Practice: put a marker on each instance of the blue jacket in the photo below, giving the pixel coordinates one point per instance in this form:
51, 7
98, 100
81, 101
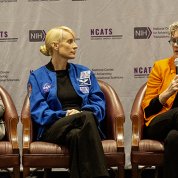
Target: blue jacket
45, 106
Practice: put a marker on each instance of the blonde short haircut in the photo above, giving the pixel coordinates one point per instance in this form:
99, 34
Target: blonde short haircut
52, 36
172, 28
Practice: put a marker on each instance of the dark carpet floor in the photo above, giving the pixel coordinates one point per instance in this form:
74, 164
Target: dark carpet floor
150, 173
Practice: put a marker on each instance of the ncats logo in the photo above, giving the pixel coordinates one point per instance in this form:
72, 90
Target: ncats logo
3, 34
142, 71
101, 32
104, 34
5, 37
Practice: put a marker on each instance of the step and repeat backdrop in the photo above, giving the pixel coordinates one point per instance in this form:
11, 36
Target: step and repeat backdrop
118, 39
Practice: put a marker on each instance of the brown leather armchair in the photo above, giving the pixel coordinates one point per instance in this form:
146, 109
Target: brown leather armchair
9, 149
144, 152
38, 154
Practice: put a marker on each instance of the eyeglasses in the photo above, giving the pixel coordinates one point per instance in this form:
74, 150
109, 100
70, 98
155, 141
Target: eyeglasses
173, 41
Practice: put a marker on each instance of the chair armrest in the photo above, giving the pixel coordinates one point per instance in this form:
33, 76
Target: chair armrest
137, 118
115, 117
11, 119
120, 133
116, 113
26, 134
13, 135
27, 127
136, 131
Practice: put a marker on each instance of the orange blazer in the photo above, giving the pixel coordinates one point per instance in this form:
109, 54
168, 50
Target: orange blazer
161, 75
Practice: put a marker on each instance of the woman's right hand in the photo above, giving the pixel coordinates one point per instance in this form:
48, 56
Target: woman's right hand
172, 88
72, 111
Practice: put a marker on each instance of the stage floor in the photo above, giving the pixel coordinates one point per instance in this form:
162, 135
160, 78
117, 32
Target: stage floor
150, 173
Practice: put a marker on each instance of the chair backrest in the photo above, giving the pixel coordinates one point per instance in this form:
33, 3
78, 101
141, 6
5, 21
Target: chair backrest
114, 111
10, 111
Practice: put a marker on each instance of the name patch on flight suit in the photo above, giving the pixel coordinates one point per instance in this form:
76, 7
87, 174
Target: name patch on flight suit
84, 89
84, 81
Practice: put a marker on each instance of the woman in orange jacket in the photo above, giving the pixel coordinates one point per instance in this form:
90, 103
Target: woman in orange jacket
160, 105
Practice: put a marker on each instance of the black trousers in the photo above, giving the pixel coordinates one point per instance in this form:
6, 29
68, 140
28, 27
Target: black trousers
80, 134
164, 127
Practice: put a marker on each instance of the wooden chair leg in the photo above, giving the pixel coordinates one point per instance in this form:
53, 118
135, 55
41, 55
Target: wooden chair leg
26, 172
159, 172
47, 172
121, 171
134, 171
16, 172
112, 173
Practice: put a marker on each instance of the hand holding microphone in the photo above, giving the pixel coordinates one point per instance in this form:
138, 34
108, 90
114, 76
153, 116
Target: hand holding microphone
176, 64
172, 88
174, 83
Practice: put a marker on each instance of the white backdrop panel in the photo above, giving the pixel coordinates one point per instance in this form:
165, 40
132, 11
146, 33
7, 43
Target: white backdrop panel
106, 36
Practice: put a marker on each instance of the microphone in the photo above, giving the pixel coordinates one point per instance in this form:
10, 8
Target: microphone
176, 64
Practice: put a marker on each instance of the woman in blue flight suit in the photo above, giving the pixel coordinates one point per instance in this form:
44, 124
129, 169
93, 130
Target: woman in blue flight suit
67, 104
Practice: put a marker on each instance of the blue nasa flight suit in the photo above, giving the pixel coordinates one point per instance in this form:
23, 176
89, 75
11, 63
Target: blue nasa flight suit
78, 131
44, 104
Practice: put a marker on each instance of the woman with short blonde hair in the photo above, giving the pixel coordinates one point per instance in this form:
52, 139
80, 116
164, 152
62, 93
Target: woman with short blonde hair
67, 105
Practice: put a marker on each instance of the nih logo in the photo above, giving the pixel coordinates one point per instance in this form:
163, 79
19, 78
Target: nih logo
142, 33
37, 35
